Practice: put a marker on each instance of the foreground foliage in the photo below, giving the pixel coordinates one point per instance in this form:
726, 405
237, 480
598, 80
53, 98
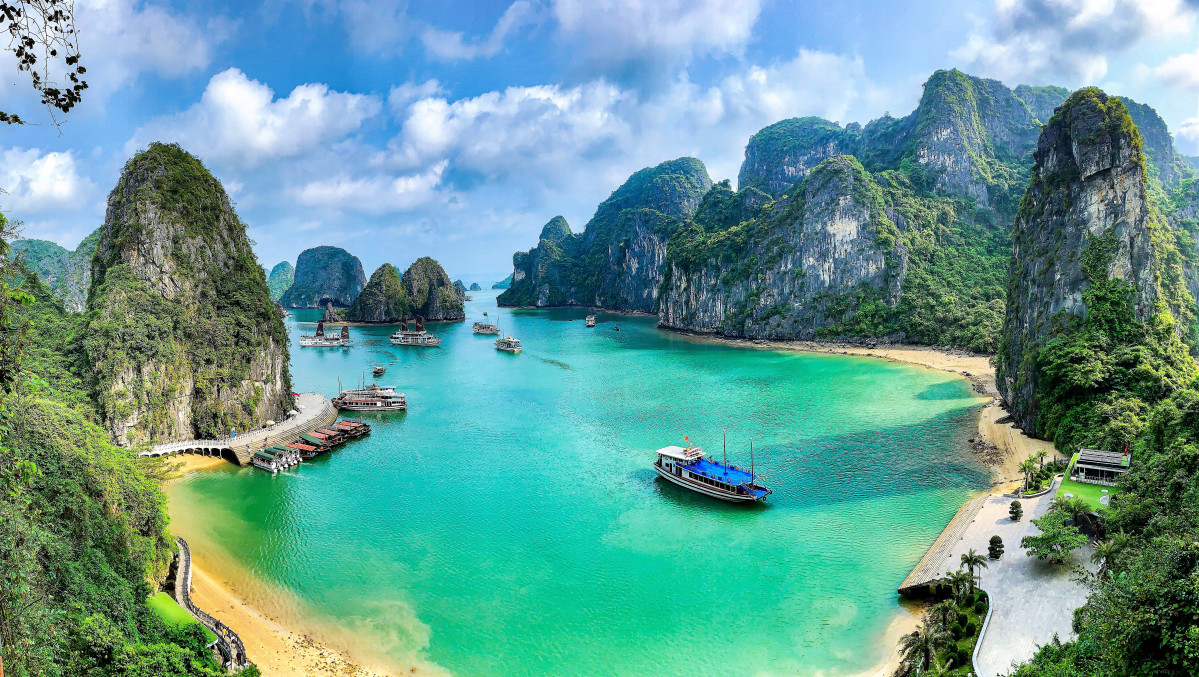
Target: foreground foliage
83, 524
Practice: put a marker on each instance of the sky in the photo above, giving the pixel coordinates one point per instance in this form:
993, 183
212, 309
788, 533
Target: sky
457, 129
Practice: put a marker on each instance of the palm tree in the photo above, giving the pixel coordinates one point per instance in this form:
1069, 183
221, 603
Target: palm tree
961, 583
1029, 468
943, 614
970, 560
1104, 550
920, 647
1041, 457
1075, 508
939, 669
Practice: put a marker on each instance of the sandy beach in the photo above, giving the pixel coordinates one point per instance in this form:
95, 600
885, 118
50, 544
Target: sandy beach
999, 446
277, 650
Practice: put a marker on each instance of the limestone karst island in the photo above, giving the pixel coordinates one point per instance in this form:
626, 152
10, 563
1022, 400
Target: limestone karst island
544, 337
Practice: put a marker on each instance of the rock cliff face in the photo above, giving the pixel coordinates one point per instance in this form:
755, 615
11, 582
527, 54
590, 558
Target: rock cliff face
504, 283
782, 154
964, 133
325, 275
68, 274
1084, 219
184, 340
474, 286
431, 293
280, 280
619, 258
829, 241
383, 299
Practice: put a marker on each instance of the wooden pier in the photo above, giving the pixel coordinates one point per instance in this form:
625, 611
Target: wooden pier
928, 572
316, 412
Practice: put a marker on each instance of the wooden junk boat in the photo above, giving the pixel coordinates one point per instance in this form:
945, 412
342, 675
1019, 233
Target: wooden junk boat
370, 398
353, 428
486, 328
308, 445
274, 459
508, 344
322, 340
414, 337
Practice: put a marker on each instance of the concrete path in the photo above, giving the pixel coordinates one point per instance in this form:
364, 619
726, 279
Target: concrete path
315, 411
1031, 599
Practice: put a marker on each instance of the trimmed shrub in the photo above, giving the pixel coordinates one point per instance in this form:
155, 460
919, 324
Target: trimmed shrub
1016, 511
956, 631
971, 628
963, 619
963, 657
980, 607
995, 548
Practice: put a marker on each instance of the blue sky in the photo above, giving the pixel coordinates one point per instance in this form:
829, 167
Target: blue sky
457, 129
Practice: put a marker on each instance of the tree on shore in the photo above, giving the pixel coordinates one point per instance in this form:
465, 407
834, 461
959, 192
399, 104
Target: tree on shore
972, 560
995, 548
1056, 540
43, 38
1029, 468
1016, 511
918, 648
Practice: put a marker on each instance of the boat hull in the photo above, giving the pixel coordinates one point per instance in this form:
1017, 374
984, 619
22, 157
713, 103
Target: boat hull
700, 488
341, 406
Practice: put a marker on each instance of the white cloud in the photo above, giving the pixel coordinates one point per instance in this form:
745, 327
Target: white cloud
1181, 71
380, 27
238, 121
377, 194
1067, 41
39, 182
452, 46
1189, 129
617, 28
498, 132
119, 39
401, 95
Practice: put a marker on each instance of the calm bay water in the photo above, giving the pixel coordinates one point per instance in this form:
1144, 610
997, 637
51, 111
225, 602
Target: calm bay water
510, 522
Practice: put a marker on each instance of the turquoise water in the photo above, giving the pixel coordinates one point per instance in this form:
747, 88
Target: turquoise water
510, 521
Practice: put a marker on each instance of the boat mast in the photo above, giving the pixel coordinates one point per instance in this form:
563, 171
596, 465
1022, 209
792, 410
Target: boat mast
726, 450
751, 459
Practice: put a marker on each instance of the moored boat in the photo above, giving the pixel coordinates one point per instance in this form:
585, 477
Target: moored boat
591, 320
379, 370
687, 467
486, 328
322, 340
414, 337
508, 344
371, 398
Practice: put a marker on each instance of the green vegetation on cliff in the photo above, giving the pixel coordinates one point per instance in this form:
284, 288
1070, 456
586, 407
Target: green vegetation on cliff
194, 336
83, 526
589, 268
383, 299
67, 273
280, 280
431, 293
1119, 376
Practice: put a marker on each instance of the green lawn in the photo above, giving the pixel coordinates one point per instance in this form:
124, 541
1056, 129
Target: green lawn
1087, 492
170, 611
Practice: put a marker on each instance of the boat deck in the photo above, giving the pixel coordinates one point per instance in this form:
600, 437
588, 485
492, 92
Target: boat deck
729, 475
